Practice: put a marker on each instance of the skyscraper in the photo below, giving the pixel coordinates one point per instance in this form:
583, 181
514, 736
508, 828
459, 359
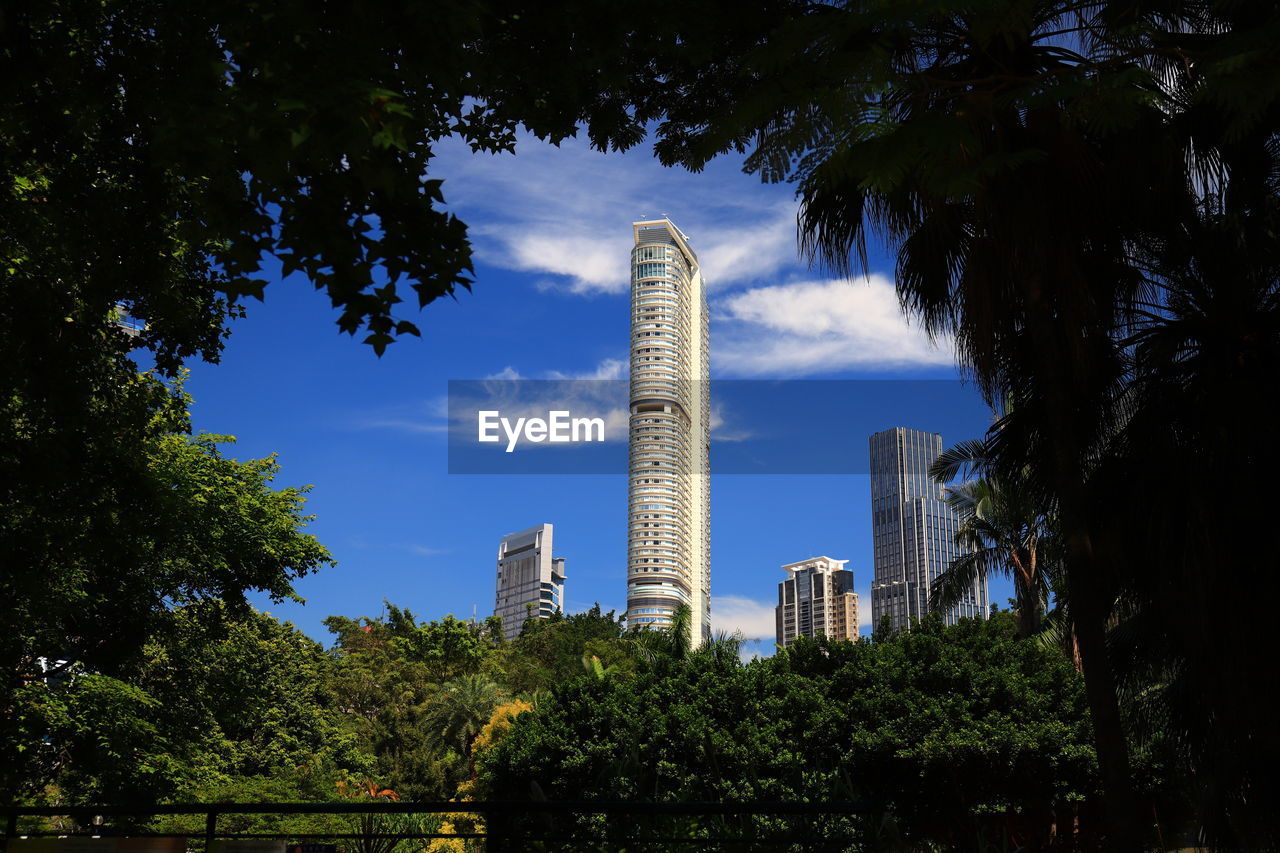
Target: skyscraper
668, 497
817, 599
913, 530
530, 579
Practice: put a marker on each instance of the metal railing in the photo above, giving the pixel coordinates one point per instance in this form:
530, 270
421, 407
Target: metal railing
502, 825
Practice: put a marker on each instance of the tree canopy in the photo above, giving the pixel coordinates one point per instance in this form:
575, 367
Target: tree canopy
955, 734
156, 519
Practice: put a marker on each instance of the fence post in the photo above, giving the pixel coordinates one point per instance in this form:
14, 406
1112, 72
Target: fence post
210, 829
10, 829
497, 832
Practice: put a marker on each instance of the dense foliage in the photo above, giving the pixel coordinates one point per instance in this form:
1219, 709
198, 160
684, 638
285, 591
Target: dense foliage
947, 735
951, 734
109, 584
215, 702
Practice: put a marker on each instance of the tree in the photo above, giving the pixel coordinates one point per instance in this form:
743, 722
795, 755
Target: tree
1002, 530
167, 160
461, 708
956, 733
549, 651
160, 518
1023, 160
218, 703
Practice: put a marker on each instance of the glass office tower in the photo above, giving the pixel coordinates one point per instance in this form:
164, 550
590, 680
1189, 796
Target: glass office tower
913, 530
668, 494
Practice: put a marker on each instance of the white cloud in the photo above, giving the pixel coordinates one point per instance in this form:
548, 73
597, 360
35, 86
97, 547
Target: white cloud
808, 327
737, 613
609, 368
427, 551
722, 430
730, 256
563, 212
592, 261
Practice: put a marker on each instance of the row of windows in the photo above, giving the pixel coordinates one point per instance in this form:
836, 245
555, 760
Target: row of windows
652, 253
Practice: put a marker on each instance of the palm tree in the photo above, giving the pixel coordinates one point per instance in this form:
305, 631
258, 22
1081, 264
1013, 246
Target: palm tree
1020, 158
1002, 531
965, 137
461, 707
672, 643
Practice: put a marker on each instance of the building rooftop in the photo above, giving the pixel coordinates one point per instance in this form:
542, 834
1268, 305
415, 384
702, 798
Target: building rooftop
812, 562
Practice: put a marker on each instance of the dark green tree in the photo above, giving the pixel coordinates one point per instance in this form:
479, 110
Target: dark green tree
393, 679
460, 708
1003, 530
549, 651
1036, 169
957, 734
93, 571
218, 703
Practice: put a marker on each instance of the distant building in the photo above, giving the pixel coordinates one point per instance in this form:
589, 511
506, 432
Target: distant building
817, 598
913, 531
127, 323
530, 579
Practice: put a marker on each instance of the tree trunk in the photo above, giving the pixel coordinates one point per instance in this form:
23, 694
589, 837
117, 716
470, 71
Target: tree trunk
1028, 591
1091, 605
1090, 602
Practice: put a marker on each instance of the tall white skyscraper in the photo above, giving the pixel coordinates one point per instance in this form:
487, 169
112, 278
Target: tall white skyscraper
913, 531
668, 495
530, 579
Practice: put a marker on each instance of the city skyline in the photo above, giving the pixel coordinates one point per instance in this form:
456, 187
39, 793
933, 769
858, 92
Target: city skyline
550, 302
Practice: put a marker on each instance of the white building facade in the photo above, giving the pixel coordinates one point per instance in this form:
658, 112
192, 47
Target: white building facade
668, 494
816, 600
530, 579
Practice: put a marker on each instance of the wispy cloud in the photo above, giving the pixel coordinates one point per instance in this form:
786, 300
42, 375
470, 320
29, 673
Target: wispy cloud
609, 368
429, 417
426, 551
432, 417
737, 613
723, 430
808, 327
562, 213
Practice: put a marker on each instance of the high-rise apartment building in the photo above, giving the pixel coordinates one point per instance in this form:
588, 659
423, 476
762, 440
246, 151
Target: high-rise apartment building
530, 579
668, 497
817, 599
913, 530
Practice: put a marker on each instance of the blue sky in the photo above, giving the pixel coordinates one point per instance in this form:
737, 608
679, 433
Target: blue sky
551, 231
